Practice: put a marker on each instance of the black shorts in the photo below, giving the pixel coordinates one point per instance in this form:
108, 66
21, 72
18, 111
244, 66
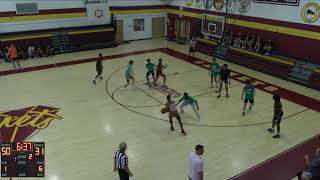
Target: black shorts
99, 71
249, 100
123, 175
224, 81
191, 49
277, 119
148, 73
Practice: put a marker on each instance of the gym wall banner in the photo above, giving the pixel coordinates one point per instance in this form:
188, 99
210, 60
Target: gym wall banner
281, 2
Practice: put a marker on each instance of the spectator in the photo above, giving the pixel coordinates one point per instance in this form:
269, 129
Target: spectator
6, 54
31, 52
38, 51
267, 48
237, 41
21, 54
313, 168
244, 42
14, 57
225, 39
49, 51
231, 39
251, 42
257, 45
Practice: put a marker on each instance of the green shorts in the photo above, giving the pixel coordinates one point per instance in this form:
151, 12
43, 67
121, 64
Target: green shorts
214, 74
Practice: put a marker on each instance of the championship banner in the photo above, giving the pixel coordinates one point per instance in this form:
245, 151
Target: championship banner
280, 2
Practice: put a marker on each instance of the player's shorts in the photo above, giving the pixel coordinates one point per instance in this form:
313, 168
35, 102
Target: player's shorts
14, 59
249, 100
214, 74
224, 81
191, 49
99, 71
278, 119
128, 77
174, 114
159, 73
148, 73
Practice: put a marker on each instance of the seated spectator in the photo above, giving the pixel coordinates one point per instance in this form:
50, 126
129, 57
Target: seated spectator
225, 39
31, 52
313, 168
267, 48
49, 51
237, 41
257, 45
251, 42
21, 54
231, 39
6, 54
244, 42
38, 51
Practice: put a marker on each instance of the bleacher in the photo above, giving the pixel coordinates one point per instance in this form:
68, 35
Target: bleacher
284, 68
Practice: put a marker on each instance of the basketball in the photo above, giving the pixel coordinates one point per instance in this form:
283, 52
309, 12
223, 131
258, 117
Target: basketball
164, 110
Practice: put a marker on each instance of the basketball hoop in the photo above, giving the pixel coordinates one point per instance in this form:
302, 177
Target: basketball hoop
99, 13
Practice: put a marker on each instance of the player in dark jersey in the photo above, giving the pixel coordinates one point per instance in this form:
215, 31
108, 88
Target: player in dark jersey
277, 116
159, 71
150, 66
224, 77
249, 93
99, 68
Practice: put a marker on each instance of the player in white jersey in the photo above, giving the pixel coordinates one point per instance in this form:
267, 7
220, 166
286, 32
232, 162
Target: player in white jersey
129, 74
173, 112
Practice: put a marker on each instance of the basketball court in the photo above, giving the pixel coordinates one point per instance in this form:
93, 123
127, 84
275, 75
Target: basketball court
86, 122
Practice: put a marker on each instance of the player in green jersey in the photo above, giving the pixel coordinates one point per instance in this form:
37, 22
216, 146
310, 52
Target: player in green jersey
150, 67
214, 71
189, 100
249, 92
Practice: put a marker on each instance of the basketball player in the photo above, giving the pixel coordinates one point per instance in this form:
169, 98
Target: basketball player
159, 71
224, 77
173, 113
278, 113
189, 100
129, 74
250, 94
99, 68
150, 66
214, 71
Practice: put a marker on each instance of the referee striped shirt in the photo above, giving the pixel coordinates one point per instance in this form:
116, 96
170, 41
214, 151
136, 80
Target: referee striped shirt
121, 159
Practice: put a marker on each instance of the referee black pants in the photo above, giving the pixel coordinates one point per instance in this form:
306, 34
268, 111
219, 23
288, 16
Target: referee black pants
123, 174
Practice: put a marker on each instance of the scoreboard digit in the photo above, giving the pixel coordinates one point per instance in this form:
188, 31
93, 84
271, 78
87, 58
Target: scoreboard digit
23, 159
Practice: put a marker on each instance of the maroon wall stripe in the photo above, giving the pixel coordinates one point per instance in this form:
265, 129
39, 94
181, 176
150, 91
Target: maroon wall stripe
45, 11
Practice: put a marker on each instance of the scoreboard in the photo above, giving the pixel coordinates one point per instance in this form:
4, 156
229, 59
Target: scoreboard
22, 159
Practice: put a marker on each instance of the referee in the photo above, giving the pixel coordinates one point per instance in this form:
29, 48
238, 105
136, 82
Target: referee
121, 162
